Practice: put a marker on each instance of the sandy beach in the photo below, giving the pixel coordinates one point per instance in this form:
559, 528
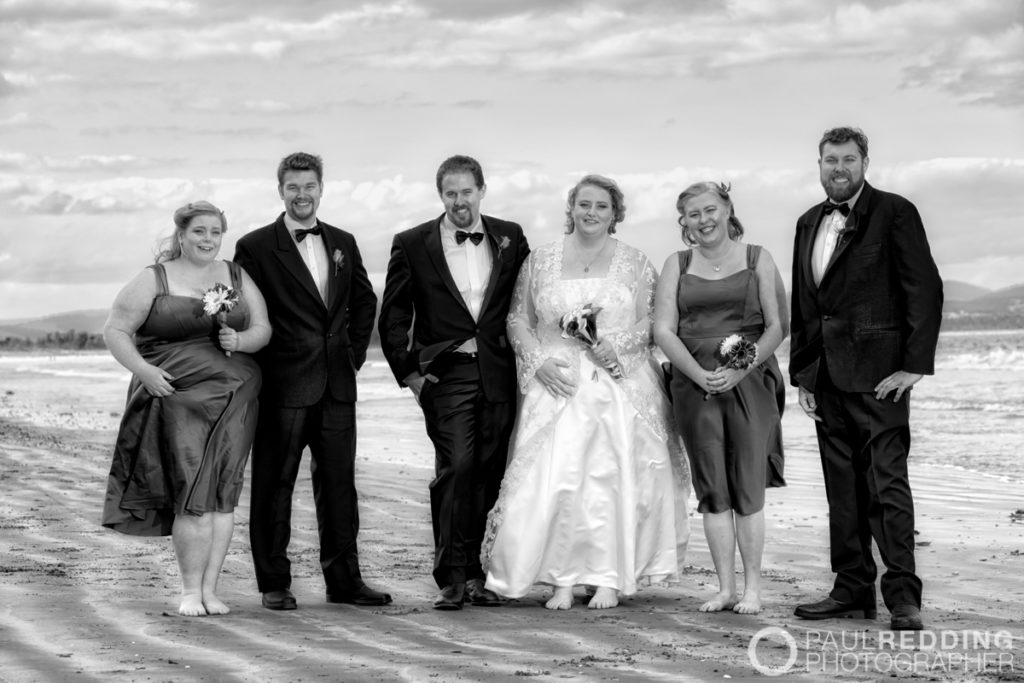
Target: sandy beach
82, 603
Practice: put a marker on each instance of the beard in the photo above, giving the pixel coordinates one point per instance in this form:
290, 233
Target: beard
841, 193
463, 220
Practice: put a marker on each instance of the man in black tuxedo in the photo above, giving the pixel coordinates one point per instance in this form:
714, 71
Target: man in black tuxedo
442, 327
321, 307
867, 306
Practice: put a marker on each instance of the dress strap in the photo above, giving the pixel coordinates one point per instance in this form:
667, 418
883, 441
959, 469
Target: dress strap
161, 279
753, 254
236, 275
685, 256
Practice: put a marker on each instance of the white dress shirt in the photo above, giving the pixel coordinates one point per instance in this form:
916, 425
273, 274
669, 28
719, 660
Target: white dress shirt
470, 266
832, 226
313, 253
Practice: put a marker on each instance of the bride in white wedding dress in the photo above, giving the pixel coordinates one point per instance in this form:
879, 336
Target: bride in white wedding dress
595, 490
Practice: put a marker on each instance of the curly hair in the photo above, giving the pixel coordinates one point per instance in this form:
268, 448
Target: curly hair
604, 183
721, 190
842, 135
170, 246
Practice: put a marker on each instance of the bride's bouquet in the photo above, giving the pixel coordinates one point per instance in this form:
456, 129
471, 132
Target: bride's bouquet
218, 302
581, 323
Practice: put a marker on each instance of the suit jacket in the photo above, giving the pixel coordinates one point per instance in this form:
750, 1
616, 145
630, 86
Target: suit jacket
878, 307
423, 315
315, 347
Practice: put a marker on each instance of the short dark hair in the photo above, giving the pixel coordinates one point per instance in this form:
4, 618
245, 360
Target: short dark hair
842, 135
721, 190
461, 163
301, 161
606, 184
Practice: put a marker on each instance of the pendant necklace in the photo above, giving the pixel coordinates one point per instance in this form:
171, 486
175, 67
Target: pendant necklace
586, 266
718, 267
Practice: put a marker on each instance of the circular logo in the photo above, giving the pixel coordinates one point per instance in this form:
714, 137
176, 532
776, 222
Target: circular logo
772, 669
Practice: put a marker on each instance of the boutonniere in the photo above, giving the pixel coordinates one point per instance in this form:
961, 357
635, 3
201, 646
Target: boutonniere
339, 261
502, 244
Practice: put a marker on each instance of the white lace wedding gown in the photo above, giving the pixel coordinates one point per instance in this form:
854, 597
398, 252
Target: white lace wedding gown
596, 487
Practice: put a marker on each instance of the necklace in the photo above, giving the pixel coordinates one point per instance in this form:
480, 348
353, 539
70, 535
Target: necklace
587, 266
717, 267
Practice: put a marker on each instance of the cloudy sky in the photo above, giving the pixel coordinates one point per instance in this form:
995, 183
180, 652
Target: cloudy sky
115, 112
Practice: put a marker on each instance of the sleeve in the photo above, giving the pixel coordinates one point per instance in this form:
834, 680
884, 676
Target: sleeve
920, 289
362, 308
522, 325
244, 258
396, 314
633, 344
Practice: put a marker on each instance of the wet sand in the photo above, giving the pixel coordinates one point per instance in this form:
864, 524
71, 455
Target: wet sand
82, 603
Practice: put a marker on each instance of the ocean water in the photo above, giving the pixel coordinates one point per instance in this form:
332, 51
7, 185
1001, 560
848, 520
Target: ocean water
968, 416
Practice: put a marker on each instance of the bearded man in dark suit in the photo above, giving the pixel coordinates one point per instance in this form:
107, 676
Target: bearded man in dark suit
866, 311
321, 307
442, 327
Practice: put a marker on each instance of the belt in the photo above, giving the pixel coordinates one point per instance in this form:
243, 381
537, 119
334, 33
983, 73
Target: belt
463, 356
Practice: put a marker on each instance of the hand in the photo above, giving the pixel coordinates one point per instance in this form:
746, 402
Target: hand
604, 353
809, 405
228, 339
416, 382
723, 379
156, 381
552, 378
900, 381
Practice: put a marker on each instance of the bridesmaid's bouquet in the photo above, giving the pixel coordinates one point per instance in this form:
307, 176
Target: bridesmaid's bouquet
581, 323
218, 302
738, 354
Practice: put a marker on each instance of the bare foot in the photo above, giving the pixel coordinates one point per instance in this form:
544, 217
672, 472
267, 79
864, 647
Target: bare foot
749, 604
718, 603
604, 598
191, 605
562, 599
214, 605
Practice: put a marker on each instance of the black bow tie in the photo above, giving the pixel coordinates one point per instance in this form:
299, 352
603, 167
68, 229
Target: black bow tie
301, 233
843, 208
461, 236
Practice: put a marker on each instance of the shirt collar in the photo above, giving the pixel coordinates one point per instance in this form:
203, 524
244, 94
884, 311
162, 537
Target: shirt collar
294, 225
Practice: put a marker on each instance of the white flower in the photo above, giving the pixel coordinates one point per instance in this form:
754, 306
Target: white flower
729, 343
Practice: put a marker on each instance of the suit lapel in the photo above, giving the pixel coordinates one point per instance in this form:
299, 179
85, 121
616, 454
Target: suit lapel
807, 246
498, 242
293, 264
435, 251
853, 221
333, 280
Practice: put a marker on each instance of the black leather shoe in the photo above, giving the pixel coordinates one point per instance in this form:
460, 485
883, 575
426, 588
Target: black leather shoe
279, 600
451, 597
830, 608
906, 618
364, 597
477, 595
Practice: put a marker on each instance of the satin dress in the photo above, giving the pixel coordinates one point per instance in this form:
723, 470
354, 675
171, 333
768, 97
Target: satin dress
185, 453
733, 439
596, 486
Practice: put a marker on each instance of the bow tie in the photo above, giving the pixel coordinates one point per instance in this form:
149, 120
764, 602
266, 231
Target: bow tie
301, 233
843, 208
461, 236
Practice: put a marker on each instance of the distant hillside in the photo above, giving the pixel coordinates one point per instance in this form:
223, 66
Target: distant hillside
966, 307
962, 291
90, 321
1001, 309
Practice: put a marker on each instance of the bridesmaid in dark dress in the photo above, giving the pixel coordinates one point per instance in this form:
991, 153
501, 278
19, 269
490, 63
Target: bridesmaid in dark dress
181, 450
729, 418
